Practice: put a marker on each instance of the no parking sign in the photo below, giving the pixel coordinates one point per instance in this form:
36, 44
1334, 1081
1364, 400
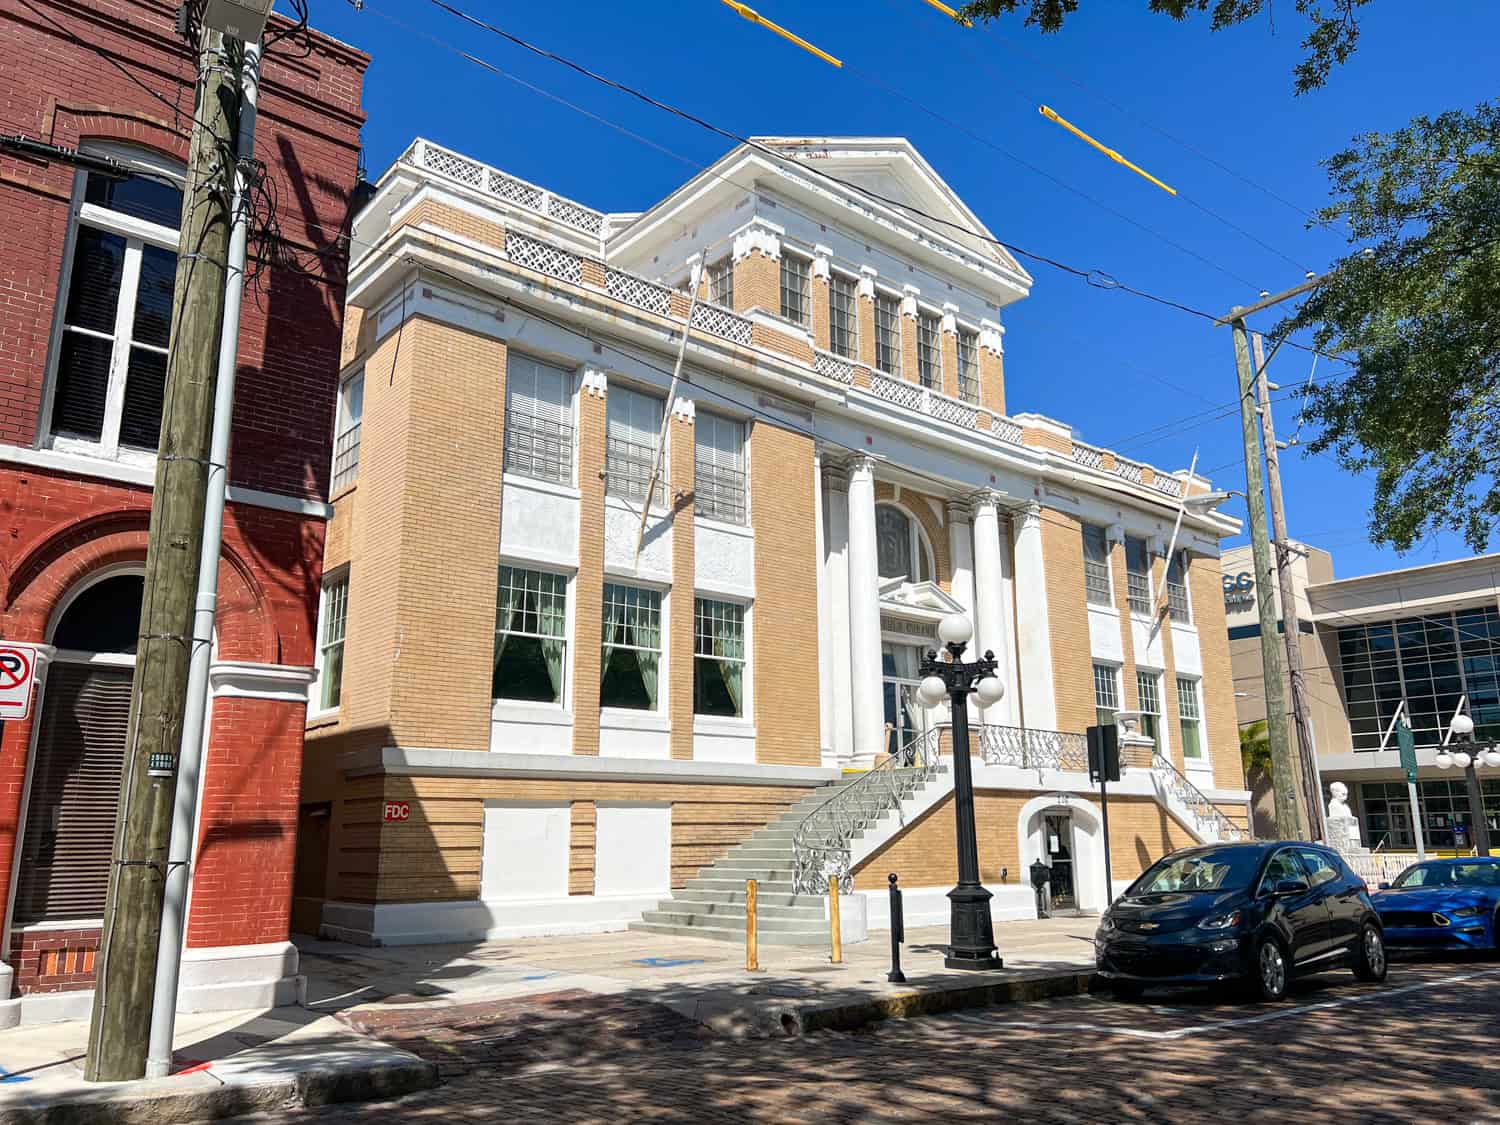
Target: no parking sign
17, 674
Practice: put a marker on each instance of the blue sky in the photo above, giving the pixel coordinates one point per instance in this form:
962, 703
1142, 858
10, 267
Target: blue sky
1128, 374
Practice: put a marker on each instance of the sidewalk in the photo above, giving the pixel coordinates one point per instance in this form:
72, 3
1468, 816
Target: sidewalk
241, 1062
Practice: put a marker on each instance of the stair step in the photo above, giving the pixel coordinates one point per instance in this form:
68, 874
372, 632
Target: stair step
691, 894
715, 933
730, 921
810, 910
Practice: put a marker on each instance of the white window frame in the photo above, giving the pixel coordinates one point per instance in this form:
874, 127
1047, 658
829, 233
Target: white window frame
1183, 616
1153, 677
315, 706
835, 280
569, 412
137, 234
663, 627
747, 697
1113, 672
721, 282
930, 345
566, 686
701, 468
894, 302
1134, 600
1196, 683
790, 261
969, 384
617, 394
1109, 586
920, 547
343, 424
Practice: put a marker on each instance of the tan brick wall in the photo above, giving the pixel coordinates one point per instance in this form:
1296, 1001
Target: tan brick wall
950, 364
757, 283
1171, 713
340, 530
681, 455
1046, 439
588, 587
866, 342
917, 504
992, 380
1067, 620
909, 348
820, 315
583, 832
1140, 833
773, 341
593, 274
785, 641
431, 213
1207, 593
1129, 693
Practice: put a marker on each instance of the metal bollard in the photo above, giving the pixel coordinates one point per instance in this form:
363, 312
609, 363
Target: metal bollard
898, 933
835, 931
752, 950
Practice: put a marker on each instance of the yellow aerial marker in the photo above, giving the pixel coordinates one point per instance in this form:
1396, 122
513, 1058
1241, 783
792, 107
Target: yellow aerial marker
755, 17
947, 11
1051, 115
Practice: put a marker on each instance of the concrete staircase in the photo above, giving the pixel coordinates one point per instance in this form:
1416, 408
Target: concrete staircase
712, 904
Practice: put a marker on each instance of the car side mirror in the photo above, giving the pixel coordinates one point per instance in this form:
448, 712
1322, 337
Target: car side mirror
1384, 887
1291, 886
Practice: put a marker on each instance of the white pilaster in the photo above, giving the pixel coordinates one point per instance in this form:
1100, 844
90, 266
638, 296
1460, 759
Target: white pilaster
836, 567
990, 628
864, 615
825, 621
1038, 695
961, 553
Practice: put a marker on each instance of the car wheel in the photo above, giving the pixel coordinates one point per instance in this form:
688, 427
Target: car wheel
1127, 989
1369, 958
1271, 973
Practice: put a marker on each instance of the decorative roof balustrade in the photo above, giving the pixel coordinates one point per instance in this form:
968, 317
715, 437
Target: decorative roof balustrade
502, 185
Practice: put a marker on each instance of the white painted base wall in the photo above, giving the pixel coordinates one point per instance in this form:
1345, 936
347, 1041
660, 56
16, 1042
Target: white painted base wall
428, 923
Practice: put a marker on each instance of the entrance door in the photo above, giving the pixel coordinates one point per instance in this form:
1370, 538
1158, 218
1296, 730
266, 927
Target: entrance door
905, 717
1057, 845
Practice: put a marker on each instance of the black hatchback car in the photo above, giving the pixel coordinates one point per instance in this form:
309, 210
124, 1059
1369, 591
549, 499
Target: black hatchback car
1255, 914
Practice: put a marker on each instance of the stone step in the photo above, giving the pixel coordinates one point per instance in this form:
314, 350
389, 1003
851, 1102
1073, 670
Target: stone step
764, 925
729, 883
807, 910
737, 936
691, 894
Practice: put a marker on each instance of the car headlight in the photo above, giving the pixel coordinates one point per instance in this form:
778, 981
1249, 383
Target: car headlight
1466, 911
1221, 921
1106, 925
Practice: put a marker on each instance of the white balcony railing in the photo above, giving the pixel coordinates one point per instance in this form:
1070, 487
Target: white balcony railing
502, 185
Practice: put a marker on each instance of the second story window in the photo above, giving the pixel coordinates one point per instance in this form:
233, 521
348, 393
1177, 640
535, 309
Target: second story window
930, 350
1106, 693
351, 414
1192, 717
1177, 591
1138, 574
110, 367
632, 427
539, 420
888, 333
719, 468
843, 315
721, 282
796, 288
901, 549
1096, 566
1148, 688
330, 683
968, 365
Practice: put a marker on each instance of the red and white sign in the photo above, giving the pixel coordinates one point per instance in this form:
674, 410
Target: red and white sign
397, 810
17, 675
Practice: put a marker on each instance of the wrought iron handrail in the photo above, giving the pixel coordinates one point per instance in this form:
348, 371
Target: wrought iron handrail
824, 842
1194, 798
1033, 749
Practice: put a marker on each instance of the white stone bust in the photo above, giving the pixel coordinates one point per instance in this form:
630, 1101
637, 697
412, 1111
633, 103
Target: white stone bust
1343, 828
1338, 802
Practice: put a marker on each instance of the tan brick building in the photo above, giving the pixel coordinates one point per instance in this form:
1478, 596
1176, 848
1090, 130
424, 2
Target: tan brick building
551, 694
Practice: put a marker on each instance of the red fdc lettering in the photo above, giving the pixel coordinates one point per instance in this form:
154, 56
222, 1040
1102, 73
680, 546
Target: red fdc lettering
397, 810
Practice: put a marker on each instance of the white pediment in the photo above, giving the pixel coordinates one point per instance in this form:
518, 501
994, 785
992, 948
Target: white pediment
919, 601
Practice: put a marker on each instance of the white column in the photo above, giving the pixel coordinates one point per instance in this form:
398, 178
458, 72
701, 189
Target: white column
825, 621
989, 591
961, 553
1038, 696
1008, 612
836, 532
867, 712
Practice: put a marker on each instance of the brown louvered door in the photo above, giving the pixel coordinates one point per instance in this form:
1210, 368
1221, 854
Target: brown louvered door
75, 790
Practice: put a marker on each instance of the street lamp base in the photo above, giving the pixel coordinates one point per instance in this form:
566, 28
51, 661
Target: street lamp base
971, 960
971, 931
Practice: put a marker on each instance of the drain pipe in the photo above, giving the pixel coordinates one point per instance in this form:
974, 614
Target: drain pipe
190, 770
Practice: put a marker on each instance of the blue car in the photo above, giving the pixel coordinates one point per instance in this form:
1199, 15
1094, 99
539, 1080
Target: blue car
1442, 904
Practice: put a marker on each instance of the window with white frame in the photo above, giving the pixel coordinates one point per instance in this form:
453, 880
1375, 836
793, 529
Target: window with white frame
796, 287
888, 333
632, 428
1148, 689
968, 365
1177, 591
843, 315
930, 350
901, 549
531, 627
719, 468
721, 282
1096, 585
539, 420
1138, 574
110, 368
632, 647
331, 642
1191, 716
1106, 693
351, 413
718, 658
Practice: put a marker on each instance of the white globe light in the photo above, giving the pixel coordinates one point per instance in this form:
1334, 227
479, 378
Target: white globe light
955, 629
1461, 760
1462, 726
1491, 757
990, 691
1444, 760
932, 691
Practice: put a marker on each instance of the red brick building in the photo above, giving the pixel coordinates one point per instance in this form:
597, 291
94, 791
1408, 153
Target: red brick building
86, 274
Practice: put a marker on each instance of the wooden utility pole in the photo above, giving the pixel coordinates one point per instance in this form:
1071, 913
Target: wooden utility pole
126, 965
1291, 622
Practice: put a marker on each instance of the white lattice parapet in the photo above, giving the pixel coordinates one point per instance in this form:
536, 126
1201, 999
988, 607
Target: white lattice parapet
951, 410
444, 162
1088, 456
835, 367
544, 257
1132, 471
639, 292
721, 322
898, 391
1006, 430
1170, 486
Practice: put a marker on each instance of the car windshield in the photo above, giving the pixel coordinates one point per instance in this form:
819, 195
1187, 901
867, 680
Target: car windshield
1226, 869
1450, 875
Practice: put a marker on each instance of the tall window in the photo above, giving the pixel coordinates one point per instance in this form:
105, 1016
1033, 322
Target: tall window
968, 365
1192, 717
531, 626
930, 350
1106, 693
796, 288
1177, 591
1096, 566
351, 414
1138, 574
843, 315
719, 468
718, 658
1148, 688
721, 282
632, 427
900, 547
539, 420
632, 647
888, 333
331, 642
111, 363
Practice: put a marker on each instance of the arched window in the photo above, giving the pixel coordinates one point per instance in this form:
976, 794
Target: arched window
901, 547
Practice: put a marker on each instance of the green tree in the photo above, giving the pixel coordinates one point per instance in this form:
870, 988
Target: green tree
1331, 39
1418, 308
1255, 747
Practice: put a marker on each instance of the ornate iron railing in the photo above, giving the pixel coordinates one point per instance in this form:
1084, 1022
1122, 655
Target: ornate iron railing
1033, 749
824, 841
1195, 799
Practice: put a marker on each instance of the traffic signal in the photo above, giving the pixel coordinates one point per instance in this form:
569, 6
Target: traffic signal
1104, 752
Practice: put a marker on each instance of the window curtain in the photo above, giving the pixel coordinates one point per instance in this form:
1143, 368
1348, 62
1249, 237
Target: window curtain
508, 604
648, 655
730, 649
553, 628
614, 633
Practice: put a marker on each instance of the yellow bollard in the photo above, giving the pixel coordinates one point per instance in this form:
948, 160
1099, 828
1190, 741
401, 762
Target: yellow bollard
835, 932
752, 961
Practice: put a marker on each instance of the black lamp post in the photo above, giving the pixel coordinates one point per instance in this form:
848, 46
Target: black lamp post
1467, 756
971, 932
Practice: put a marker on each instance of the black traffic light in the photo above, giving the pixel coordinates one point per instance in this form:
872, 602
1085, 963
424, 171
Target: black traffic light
1104, 752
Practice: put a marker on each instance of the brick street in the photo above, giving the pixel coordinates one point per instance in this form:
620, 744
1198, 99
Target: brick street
1416, 1048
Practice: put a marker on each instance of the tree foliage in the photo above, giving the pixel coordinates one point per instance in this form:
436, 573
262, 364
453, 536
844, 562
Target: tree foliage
1255, 746
1331, 39
1421, 317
